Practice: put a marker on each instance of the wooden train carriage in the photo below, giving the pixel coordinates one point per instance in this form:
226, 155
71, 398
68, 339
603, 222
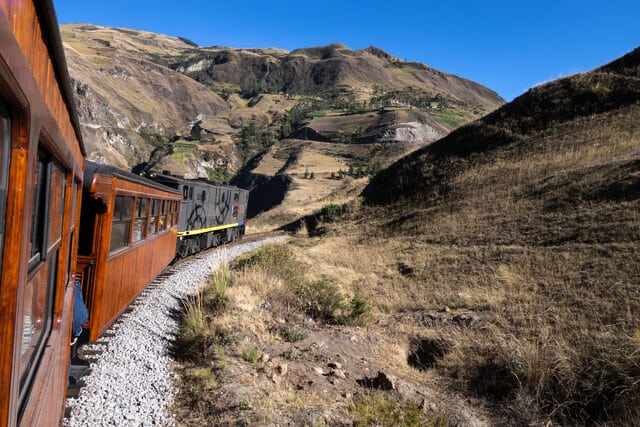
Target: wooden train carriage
41, 164
210, 214
128, 232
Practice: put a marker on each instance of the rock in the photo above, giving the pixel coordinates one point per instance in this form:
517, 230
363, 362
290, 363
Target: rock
334, 365
282, 369
338, 373
464, 319
318, 371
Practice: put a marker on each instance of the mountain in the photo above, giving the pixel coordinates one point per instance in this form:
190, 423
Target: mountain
526, 220
569, 145
149, 101
125, 101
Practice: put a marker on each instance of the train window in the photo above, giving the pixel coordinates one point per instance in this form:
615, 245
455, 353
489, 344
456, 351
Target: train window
5, 140
163, 215
37, 216
46, 239
190, 193
173, 214
56, 204
72, 222
235, 212
167, 214
153, 217
120, 223
236, 197
140, 221
204, 195
185, 192
37, 314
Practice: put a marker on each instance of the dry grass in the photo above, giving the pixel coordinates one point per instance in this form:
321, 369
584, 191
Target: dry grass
555, 329
535, 243
505, 270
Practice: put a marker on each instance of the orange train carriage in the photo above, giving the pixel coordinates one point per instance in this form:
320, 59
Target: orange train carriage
41, 172
128, 233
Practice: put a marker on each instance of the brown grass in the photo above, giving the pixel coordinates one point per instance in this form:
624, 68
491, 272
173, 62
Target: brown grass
535, 241
503, 266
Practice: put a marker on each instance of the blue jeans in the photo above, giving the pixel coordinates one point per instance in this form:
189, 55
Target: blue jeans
80, 312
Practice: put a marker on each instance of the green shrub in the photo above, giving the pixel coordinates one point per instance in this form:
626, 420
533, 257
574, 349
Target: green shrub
381, 411
250, 354
320, 299
293, 334
330, 212
275, 260
359, 307
214, 294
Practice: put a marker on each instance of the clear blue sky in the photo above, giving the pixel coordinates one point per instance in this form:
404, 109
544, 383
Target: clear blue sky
506, 45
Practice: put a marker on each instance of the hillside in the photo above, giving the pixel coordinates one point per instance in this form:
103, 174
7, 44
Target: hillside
527, 222
128, 104
149, 101
490, 278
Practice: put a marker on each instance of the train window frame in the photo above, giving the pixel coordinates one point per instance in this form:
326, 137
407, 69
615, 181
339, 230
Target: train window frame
152, 225
55, 239
140, 219
121, 220
72, 224
5, 157
162, 215
176, 212
38, 221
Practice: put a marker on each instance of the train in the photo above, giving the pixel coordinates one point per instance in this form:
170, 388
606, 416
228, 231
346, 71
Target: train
132, 227
66, 221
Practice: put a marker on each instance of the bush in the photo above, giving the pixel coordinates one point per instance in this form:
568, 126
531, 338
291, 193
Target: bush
214, 294
381, 411
293, 334
330, 212
359, 307
275, 260
320, 299
250, 354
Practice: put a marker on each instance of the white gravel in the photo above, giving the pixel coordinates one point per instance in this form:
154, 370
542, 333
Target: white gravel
130, 382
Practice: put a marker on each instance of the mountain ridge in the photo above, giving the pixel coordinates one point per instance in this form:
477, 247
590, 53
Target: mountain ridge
138, 91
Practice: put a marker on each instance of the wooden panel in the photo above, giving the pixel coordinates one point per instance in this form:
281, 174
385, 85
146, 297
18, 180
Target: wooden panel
120, 277
45, 406
126, 275
28, 33
38, 107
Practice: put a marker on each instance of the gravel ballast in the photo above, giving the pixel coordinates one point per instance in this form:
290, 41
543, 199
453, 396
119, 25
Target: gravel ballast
130, 381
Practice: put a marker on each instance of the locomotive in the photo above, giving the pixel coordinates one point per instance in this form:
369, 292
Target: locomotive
210, 214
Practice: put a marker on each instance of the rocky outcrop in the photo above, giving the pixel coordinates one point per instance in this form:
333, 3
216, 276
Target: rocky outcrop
412, 132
